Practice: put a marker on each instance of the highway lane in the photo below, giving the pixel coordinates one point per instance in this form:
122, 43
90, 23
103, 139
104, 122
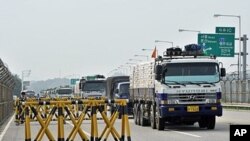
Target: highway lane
138, 133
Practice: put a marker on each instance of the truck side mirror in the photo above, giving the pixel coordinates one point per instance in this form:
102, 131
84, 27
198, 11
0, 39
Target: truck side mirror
158, 72
222, 72
116, 91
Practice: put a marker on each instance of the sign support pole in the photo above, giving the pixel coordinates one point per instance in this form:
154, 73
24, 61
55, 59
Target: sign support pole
244, 39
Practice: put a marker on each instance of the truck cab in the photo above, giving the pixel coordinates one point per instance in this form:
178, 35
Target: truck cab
93, 86
64, 93
118, 88
122, 90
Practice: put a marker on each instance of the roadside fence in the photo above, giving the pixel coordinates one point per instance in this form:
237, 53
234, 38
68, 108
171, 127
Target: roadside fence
236, 91
6, 87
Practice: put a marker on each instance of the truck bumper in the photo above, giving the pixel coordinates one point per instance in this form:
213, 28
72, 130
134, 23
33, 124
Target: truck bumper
182, 110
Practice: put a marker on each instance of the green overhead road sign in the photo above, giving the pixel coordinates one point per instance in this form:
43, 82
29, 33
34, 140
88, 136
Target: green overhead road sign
225, 30
220, 45
73, 81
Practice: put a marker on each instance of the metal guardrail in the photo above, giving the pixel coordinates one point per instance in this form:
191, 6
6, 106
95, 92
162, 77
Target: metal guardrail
6, 86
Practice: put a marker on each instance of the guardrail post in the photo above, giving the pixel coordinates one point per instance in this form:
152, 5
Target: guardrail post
60, 122
125, 122
17, 111
27, 124
94, 129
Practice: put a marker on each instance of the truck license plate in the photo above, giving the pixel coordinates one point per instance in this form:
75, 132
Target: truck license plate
192, 108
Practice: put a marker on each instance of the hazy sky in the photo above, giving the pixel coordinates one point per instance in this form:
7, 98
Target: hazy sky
65, 38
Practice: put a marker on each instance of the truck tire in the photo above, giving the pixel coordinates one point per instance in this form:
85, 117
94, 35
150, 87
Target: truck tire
135, 114
112, 110
120, 116
160, 122
152, 116
143, 121
211, 122
202, 123
207, 122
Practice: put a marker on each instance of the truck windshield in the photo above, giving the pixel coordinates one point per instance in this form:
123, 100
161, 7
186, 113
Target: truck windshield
124, 88
97, 86
64, 91
191, 72
30, 93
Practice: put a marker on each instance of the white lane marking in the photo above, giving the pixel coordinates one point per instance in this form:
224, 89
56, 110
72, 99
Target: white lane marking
179, 132
6, 127
88, 134
184, 133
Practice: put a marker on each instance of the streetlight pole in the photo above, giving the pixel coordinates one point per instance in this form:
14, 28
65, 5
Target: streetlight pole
239, 56
130, 66
146, 49
135, 60
172, 43
128, 63
187, 30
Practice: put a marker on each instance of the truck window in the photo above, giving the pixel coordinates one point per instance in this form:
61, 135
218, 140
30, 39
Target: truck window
64, 91
185, 69
97, 86
191, 72
124, 88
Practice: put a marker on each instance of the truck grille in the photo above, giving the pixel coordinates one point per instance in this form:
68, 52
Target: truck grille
196, 98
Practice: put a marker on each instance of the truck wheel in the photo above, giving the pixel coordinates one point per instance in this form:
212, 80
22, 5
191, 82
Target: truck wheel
120, 116
135, 114
160, 122
211, 122
152, 116
142, 119
202, 122
112, 109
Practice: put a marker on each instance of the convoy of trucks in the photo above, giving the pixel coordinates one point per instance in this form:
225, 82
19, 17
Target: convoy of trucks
179, 88
182, 87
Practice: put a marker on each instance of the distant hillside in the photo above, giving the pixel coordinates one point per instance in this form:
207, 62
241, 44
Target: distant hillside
37, 86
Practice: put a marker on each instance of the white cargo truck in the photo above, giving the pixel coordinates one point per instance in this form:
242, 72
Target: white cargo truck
93, 86
180, 88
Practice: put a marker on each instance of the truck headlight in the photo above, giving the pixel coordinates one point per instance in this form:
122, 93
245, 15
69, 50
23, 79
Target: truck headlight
173, 101
170, 101
210, 100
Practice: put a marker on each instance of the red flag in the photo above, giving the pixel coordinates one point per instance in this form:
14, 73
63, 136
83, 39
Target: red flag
154, 53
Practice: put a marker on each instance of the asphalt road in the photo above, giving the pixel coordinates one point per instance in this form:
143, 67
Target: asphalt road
138, 133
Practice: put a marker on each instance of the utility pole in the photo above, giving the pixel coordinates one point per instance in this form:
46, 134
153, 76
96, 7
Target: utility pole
244, 62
